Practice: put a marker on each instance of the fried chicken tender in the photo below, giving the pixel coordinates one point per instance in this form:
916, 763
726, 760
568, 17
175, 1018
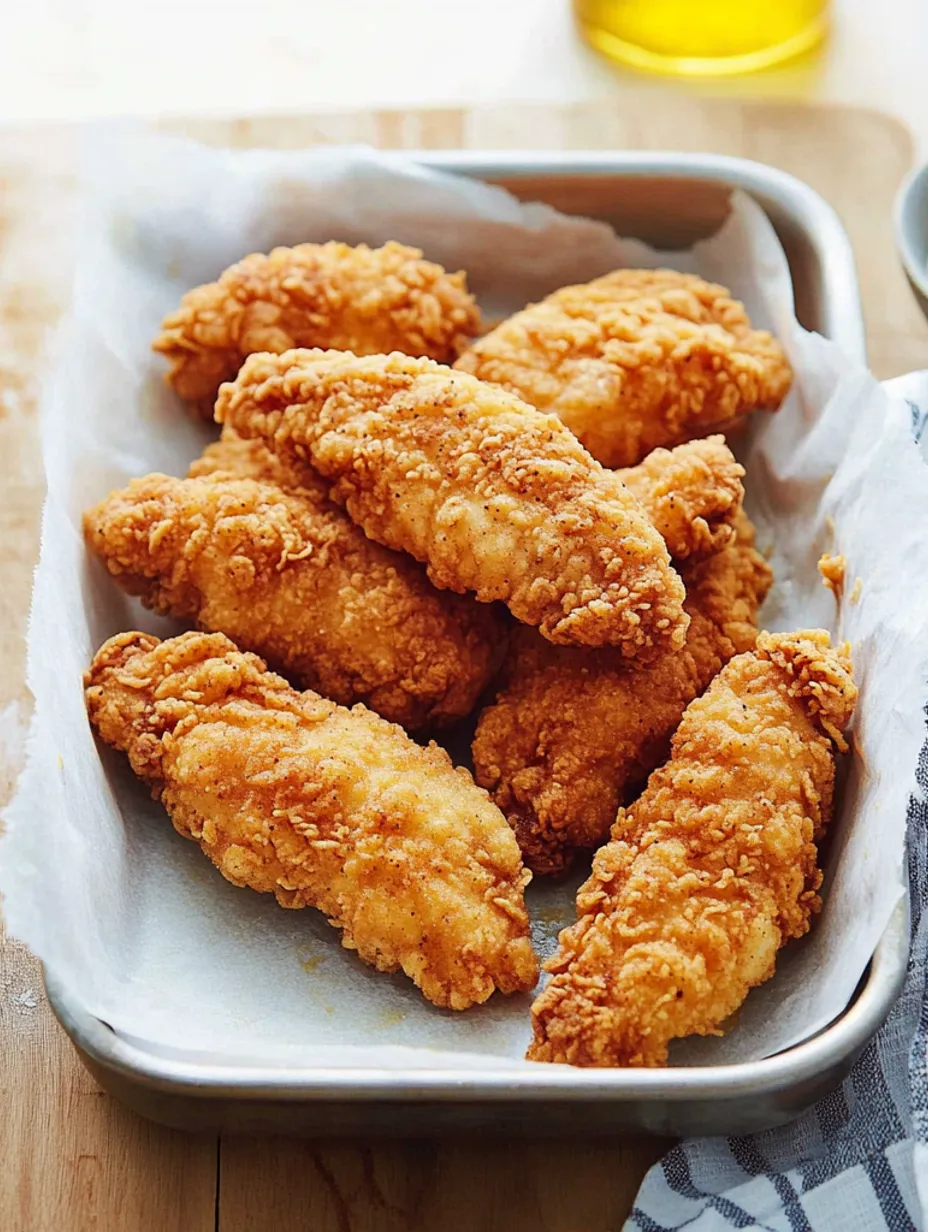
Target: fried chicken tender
292, 795
574, 732
712, 870
731, 586
359, 299
253, 460
635, 360
288, 575
692, 494
491, 495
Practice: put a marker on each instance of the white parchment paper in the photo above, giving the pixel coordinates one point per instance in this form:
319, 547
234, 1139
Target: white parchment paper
130, 917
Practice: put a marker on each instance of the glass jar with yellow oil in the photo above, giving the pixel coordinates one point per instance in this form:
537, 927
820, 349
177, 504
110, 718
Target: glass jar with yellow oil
702, 36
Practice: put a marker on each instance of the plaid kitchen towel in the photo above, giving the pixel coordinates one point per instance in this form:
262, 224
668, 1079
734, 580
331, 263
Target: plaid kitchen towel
858, 1161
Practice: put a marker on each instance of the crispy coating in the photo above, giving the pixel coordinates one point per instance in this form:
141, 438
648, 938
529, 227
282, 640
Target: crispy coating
635, 360
731, 586
438, 636
712, 870
359, 299
491, 495
692, 494
286, 574
292, 795
291, 576
574, 732
253, 460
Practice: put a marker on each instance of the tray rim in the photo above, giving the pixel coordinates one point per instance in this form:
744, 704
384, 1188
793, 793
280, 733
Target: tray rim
819, 220
882, 982
249, 1081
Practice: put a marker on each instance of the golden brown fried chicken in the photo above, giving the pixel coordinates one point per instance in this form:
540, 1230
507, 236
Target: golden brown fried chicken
253, 460
290, 576
493, 496
365, 300
731, 588
292, 795
574, 732
635, 360
712, 870
692, 494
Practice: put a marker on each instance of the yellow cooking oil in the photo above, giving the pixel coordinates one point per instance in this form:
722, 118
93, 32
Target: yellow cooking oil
702, 37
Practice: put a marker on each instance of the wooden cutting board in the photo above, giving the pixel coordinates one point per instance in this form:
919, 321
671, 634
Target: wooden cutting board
76, 1160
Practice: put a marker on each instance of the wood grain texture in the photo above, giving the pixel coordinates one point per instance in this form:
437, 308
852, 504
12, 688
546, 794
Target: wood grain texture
423, 1186
73, 1159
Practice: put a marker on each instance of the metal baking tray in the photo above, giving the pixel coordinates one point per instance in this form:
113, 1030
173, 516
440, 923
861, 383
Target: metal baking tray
669, 200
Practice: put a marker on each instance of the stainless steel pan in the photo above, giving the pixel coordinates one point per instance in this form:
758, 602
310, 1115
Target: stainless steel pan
669, 200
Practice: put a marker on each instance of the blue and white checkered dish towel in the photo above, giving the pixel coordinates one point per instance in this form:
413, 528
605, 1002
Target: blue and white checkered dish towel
858, 1161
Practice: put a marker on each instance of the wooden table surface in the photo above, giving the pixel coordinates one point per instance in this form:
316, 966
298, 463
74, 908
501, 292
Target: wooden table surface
73, 1160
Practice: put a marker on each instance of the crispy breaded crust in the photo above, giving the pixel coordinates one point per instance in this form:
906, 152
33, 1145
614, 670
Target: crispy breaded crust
573, 731
323, 807
692, 494
492, 496
711, 870
288, 575
253, 460
635, 360
358, 299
